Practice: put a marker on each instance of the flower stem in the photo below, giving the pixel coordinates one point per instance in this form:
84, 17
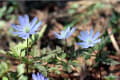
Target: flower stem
65, 46
27, 57
20, 57
100, 63
100, 66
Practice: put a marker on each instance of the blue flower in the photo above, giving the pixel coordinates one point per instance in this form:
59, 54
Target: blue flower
65, 34
88, 39
26, 28
38, 77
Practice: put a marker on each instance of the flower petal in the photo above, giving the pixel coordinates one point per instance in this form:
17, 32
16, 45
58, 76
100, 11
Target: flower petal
67, 31
18, 33
71, 32
83, 44
91, 33
32, 32
16, 27
96, 35
91, 44
57, 35
84, 34
33, 22
36, 26
24, 36
82, 38
46, 79
62, 32
26, 19
38, 76
41, 77
96, 41
34, 76
21, 20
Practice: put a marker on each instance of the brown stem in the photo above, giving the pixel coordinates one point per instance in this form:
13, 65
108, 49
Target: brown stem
65, 46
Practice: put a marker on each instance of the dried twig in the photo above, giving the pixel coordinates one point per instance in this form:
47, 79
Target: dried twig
114, 42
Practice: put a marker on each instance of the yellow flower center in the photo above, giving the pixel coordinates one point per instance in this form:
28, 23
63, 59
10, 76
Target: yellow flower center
27, 29
89, 41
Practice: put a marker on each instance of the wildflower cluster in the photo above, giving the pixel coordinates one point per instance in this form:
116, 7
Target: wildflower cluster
27, 28
88, 40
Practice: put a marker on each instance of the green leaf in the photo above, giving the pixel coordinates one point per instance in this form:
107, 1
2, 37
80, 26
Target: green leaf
12, 75
41, 68
22, 77
4, 67
71, 11
20, 69
67, 67
2, 51
35, 51
75, 6
2, 11
4, 78
55, 69
110, 77
110, 62
10, 10
2, 24
99, 5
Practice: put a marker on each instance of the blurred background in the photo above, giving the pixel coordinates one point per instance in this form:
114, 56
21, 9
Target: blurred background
101, 15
